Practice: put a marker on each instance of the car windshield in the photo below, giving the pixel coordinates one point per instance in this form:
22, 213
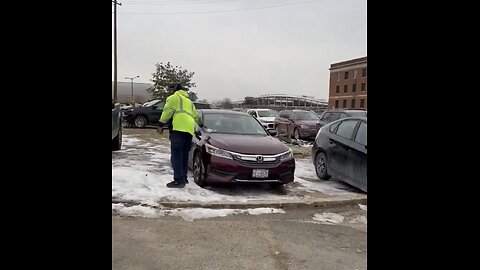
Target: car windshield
358, 114
306, 116
150, 103
268, 113
232, 124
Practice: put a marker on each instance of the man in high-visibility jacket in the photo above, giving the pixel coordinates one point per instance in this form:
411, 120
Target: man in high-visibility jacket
184, 114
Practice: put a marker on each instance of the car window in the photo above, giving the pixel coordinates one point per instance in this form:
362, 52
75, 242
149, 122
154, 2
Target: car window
232, 124
305, 116
333, 127
346, 128
267, 113
334, 117
361, 136
159, 105
358, 114
326, 117
343, 115
284, 114
201, 106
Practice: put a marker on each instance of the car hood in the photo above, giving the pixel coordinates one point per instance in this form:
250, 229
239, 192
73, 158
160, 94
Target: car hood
266, 119
247, 144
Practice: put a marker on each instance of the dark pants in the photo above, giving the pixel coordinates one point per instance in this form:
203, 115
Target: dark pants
180, 144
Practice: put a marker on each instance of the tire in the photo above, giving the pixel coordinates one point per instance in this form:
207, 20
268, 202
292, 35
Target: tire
140, 121
321, 167
296, 134
199, 170
117, 141
275, 185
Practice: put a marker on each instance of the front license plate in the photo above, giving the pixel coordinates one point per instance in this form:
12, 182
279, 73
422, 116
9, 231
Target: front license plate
260, 173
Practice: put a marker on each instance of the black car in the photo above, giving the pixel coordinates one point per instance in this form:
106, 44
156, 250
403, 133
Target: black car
340, 151
329, 116
150, 112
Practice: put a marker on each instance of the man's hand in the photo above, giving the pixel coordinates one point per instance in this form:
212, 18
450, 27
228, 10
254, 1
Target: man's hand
160, 127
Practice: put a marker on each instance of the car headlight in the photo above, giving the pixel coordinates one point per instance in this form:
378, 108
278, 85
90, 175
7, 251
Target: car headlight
288, 155
214, 151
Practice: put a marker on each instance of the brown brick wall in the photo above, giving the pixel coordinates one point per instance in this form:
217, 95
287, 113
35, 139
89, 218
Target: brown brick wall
358, 95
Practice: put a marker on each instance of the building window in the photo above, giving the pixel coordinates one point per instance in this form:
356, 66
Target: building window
344, 103
364, 86
346, 75
338, 89
364, 72
354, 88
345, 88
338, 76
336, 104
355, 74
353, 103
362, 103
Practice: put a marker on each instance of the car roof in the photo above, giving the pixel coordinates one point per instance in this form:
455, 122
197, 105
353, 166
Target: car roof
345, 111
351, 118
261, 109
221, 111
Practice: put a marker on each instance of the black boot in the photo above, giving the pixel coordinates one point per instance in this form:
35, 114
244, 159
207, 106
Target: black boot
176, 184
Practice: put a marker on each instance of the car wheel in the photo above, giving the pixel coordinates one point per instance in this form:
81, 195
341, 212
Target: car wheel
276, 185
117, 141
140, 121
321, 166
199, 170
296, 134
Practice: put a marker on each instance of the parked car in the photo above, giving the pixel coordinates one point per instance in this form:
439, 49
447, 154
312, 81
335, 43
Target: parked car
116, 127
150, 112
266, 118
300, 124
232, 147
329, 116
340, 151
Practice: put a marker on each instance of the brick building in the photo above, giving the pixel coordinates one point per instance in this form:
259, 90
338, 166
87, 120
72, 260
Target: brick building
348, 84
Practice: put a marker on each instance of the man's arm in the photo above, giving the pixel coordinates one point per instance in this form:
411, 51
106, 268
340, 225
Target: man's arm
168, 110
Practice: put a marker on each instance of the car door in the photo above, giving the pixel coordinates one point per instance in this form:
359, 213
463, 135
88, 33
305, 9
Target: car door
339, 152
282, 121
156, 112
359, 157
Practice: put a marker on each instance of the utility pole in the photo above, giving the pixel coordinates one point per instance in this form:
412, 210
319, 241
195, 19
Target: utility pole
115, 3
131, 82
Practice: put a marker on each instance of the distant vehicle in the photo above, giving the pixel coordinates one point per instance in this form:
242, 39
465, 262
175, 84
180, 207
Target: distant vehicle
340, 151
232, 147
150, 112
300, 124
116, 127
329, 116
266, 118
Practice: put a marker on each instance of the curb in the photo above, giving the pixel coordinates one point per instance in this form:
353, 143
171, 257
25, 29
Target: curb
286, 204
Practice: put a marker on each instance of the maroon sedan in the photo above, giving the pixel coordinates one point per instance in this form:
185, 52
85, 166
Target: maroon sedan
300, 124
233, 147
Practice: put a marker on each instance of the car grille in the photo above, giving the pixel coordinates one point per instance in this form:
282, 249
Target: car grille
252, 160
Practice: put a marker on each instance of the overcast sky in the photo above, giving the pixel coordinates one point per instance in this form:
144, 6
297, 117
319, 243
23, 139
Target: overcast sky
264, 46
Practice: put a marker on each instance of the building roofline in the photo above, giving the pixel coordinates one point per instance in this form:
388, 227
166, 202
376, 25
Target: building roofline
347, 63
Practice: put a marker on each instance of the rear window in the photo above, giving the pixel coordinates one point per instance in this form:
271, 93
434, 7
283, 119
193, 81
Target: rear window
202, 106
346, 128
334, 117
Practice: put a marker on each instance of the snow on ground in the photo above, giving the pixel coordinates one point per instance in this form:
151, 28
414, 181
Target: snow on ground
141, 170
328, 218
363, 207
189, 214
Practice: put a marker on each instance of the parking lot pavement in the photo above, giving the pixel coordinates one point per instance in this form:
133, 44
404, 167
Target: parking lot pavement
141, 170
295, 239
